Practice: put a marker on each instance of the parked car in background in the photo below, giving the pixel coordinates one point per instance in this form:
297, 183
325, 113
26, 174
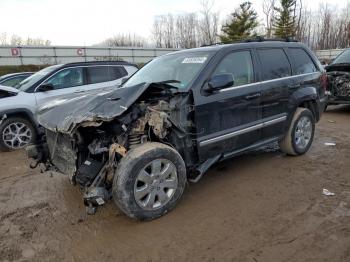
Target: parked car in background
18, 126
14, 79
179, 115
338, 72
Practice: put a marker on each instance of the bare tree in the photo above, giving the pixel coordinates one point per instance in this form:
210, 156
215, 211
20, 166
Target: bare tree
16, 40
186, 31
158, 31
3, 39
164, 30
209, 23
125, 40
269, 12
37, 42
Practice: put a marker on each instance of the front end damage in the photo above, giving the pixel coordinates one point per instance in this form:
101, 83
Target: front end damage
339, 83
88, 146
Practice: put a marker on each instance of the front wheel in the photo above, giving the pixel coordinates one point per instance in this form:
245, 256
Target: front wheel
300, 134
16, 133
149, 181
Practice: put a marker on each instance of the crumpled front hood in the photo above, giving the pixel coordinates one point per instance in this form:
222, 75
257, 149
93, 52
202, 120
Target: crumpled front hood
66, 113
9, 89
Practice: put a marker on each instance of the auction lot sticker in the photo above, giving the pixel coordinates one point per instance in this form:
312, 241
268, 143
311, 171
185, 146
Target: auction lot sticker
194, 60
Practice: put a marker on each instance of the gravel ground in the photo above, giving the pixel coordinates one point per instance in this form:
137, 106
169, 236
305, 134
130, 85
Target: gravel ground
263, 206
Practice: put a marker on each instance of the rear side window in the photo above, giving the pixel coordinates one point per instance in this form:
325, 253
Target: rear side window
240, 65
13, 81
302, 63
100, 74
275, 63
119, 72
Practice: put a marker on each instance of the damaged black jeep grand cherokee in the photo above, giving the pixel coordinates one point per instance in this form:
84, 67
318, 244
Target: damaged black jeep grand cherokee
176, 117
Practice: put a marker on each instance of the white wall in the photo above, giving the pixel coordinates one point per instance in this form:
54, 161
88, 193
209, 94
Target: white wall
24, 55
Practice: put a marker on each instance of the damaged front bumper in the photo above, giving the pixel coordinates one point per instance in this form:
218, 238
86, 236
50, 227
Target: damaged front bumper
339, 87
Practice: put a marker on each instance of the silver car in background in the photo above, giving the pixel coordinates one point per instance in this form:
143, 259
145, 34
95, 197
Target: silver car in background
18, 106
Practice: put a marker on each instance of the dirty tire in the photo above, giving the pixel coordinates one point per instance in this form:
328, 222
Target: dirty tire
127, 174
9, 121
288, 143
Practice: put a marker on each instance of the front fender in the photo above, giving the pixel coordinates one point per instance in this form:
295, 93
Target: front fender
18, 112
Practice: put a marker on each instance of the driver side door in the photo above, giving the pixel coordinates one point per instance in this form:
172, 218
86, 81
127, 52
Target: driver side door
227, 120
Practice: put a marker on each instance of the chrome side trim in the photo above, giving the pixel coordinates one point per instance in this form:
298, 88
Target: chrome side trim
243, 131
264, 82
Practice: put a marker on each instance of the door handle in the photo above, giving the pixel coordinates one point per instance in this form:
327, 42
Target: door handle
249, 97
294, 86
79, 91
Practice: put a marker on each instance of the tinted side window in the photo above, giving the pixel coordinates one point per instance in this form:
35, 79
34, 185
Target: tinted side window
302, 63
99, 74
240, 65
274, 63
119, 72
69, 77
13, 81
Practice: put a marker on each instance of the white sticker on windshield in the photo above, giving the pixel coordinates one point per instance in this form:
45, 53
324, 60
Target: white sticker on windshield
194, 60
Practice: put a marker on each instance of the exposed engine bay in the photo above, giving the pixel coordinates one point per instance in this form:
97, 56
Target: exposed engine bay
340, 83
90, 151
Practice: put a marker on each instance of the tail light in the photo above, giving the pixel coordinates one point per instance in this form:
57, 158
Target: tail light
325, 83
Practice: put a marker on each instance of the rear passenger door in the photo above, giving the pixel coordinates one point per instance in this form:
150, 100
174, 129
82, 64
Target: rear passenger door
305, 72
104, 76
275, 82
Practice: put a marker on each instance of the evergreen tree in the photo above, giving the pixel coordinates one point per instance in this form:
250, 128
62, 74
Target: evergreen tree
241, 25
285, 21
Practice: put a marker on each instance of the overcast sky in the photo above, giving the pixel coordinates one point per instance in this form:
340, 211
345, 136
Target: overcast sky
87, 22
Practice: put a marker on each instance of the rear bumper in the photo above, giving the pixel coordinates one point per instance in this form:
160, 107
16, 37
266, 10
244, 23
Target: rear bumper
321, 107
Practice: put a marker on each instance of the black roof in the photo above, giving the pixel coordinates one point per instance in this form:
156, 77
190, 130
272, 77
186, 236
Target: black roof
99, 63
15, 74
246, 44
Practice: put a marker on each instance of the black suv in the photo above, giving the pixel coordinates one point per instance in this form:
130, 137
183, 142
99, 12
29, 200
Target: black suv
179, 115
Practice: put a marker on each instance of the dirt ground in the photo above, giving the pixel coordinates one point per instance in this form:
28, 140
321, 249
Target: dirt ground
263, 206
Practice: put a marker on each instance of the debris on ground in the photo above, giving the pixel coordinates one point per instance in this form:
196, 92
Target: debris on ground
326, 192
330, 144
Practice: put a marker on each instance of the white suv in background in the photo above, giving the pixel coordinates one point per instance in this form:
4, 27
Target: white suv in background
18, 107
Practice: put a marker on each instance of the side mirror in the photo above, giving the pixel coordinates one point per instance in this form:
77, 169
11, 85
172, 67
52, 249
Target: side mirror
124, 80
218, 82
45, 88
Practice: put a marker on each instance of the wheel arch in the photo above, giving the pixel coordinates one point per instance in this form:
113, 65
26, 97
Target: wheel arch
306, 97
19, 112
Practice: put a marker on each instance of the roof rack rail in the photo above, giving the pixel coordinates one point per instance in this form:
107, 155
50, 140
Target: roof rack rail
256, 39
263, 39
218, 43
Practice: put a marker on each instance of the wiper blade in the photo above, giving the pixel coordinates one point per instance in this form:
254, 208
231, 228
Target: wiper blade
168, 82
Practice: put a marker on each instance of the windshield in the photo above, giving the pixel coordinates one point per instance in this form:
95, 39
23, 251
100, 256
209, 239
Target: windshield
178, 69
28, 82
343, 58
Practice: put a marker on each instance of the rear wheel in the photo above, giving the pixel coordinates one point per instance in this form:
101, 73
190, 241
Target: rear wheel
16, 133
149, 181
300, 134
